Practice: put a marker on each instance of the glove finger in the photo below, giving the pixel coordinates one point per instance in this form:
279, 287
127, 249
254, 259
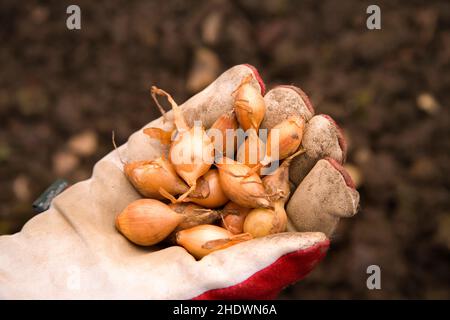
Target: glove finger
259, 268
322, 138
284, 101
324, 196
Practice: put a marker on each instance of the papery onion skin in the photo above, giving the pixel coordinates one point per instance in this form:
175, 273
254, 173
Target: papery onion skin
149, 176
233, 217
194, 238
193, 215
164, 137
252, 151
247, 191
289, 134
192, 154
277, 184
223, 123
249, 105
147, 221
185, 207
216, 197
261, 222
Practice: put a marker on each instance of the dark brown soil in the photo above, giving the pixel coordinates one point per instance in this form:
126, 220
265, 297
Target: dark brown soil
388, 88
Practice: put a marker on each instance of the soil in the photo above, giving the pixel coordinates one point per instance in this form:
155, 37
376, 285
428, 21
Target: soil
388, 88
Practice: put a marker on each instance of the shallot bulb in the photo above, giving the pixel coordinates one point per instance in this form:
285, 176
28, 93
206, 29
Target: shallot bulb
276, 184
204, 239
261, 222
223, 134
147, 221
194, 215
233, 217
252, 151
249, 105
192, 152
151, 177
241, 187
216, 197
285, 138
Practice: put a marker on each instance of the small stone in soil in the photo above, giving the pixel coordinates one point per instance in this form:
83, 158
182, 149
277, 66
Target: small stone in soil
83, 144
64, 162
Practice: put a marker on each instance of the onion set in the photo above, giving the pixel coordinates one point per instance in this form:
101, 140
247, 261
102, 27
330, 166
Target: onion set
233, 217
196, 195
204, 239
192, 152
249, 105
252, 151
223, 133
152, 178
261, 222
216, 196
285, 138
240, 186
147, 221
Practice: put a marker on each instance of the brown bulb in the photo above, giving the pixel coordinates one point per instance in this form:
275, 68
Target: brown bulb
192, 152
216, 197
285, 137
226, 125
276, 184
233, 217
252, 151
204, 239
249, 105
240, 185
148, 177
147, 221
261, 222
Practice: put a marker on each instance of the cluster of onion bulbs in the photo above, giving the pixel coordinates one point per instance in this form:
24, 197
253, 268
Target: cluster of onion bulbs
204, 196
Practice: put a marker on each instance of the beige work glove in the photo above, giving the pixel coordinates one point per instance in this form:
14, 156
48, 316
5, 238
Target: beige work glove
73, 251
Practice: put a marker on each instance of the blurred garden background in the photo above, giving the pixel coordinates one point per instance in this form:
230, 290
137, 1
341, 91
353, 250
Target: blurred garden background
62, 92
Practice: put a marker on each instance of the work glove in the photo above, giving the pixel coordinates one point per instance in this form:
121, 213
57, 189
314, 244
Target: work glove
73, 250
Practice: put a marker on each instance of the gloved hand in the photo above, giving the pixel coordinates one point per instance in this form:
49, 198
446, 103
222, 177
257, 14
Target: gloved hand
73, 250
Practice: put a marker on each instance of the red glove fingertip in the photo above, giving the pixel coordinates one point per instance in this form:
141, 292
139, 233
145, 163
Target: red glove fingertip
258, 78
268, 282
